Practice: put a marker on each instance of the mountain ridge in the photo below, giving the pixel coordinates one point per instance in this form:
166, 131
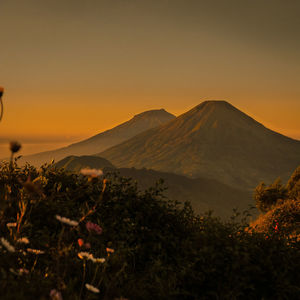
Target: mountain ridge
213, 140
103, 140
76, 163
204, 194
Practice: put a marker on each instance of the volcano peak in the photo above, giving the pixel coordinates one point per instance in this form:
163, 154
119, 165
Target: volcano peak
214, 140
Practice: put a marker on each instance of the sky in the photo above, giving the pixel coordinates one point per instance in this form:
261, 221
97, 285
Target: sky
73, 68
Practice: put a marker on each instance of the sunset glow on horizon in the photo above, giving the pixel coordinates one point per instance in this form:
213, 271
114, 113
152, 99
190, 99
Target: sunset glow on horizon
73, 120
72, 71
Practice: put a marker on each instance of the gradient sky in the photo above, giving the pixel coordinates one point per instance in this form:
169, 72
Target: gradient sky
74, 68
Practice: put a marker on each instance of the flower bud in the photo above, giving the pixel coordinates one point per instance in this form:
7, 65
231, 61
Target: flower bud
14, 147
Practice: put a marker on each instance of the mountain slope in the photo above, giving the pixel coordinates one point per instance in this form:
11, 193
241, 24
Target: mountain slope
204, 194
213, 140
106, 139
76, 163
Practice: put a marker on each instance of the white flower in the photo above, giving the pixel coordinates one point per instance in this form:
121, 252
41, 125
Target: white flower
35, 251
99, 260
7, 245
92, 288
90, 256
86, 255
66, 221
91, 172
23, 240
11, 224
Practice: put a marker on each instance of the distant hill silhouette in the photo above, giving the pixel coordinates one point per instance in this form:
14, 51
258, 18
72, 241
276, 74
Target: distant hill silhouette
76, 163
139, 123
213, 140
204, 194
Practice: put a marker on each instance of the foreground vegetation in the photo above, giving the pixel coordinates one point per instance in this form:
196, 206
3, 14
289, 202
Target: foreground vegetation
68, 236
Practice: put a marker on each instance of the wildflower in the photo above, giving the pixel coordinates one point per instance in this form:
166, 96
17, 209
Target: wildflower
80, 242
35, 251
11, 224
92, 288
14, 146
109, 250
86, 255
55, 295
89, 256
92, 227
66, 221
7, 245
99, 260
91, 172
23, 240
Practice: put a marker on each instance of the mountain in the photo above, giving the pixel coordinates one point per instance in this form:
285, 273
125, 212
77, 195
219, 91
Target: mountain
204, 194
106, 139
76, 163
214, 140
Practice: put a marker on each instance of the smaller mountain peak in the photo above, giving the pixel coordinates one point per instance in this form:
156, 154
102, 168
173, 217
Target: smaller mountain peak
154, 113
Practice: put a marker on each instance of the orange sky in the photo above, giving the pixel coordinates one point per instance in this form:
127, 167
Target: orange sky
71, 71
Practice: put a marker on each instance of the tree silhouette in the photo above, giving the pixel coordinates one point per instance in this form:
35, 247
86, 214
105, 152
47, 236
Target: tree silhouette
266, 197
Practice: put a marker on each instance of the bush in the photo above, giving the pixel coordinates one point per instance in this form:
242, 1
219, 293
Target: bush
283, 219
293, 185
129, 243
266, 197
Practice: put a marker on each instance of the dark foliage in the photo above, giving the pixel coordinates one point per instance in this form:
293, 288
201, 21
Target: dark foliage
154, 248
293, 185
266, 197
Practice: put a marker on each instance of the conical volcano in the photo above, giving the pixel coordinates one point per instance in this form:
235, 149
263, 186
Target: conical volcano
213, 140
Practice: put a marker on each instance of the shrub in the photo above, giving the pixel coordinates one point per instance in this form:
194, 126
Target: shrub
128, 243
266, 197
283, 219
293, 185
